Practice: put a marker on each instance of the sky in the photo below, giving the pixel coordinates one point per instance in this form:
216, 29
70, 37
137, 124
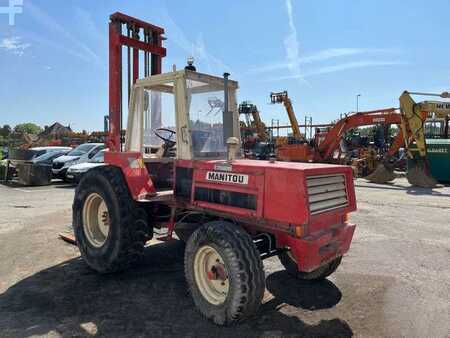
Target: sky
54, 57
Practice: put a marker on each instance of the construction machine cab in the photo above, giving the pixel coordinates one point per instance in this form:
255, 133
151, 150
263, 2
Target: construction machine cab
182, 115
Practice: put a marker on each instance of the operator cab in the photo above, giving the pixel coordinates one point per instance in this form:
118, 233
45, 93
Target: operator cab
181, 115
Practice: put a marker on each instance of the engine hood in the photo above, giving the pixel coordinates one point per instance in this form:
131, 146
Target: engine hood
66, 158
81, 167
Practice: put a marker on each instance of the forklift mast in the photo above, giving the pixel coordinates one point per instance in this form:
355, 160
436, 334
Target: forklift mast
137, 36
282, 97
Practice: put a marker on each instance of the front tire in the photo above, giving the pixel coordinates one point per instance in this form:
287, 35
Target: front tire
110, 228
290, 264
224, 272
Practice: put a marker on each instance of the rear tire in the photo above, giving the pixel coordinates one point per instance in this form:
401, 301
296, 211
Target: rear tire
289, 263
113, 238
224, 272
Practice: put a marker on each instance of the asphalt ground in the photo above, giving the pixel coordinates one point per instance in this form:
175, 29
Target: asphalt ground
394, 282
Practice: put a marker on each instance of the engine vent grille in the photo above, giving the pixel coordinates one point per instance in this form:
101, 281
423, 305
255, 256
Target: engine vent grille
230, 198
326, 192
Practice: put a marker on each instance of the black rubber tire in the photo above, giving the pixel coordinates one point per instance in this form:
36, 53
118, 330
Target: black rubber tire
321, 273
128, 222
244, 267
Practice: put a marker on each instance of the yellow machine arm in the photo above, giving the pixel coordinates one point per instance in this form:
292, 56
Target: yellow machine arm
413, 117
282, 97
246, 108
259, 124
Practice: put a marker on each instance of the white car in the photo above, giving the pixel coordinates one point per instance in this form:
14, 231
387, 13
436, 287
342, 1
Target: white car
75, 172
81, 154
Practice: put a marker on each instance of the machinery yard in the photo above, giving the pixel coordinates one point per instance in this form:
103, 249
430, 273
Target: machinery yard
194, 213
394, 282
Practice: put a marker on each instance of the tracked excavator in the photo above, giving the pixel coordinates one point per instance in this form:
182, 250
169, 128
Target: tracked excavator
413, 117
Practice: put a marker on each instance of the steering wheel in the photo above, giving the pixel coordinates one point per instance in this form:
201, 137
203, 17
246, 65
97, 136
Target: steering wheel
167, 140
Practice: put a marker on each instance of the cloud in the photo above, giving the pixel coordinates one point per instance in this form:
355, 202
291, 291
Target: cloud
323, 55
196, 49
291, 45
14, 45
342, 67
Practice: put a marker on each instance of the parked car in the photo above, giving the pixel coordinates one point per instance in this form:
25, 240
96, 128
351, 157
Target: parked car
76, 171
32, 153
80, 154
49, 156
28, 169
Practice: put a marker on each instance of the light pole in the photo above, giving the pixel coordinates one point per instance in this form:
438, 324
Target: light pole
357, 101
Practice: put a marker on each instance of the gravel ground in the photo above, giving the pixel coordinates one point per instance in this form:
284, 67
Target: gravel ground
395, 281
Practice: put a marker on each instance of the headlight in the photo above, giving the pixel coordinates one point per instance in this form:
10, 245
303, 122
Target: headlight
69, 163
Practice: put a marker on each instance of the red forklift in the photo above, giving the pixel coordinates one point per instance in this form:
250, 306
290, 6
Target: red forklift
179, 168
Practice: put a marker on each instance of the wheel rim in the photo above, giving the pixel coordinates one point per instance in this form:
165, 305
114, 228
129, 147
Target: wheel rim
211, 275
95, 220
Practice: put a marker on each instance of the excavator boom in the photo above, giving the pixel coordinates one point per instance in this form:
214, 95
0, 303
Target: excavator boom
326, 148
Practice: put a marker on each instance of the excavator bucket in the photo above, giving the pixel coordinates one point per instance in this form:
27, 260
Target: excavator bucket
419, 174
381, 174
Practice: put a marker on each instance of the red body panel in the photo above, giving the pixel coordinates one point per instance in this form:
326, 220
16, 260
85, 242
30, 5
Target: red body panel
281, 202
320, 247
134, 171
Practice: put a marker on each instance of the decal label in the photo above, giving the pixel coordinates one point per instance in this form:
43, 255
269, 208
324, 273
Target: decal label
218, 176
438, 150
223, 167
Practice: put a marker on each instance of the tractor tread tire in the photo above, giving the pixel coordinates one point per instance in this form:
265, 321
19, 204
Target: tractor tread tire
320, 273
128, 221
244, 267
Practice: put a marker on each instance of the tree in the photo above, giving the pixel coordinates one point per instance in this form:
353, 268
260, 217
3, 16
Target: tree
29, 128
5, 131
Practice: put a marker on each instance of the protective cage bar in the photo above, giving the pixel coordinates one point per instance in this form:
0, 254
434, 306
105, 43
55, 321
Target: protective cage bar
136, 35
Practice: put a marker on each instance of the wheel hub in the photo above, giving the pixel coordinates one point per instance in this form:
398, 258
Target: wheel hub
96, 220
211, 275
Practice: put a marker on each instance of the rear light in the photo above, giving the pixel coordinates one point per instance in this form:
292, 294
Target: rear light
345, 218
298, 231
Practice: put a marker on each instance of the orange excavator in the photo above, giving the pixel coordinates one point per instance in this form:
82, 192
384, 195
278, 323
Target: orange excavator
326, 146
410, 119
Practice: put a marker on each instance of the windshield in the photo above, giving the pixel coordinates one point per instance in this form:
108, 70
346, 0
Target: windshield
99, 157
49, 155
81, 150
206, 112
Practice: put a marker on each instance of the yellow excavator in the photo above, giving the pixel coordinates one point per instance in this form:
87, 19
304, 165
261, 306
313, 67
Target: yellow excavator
413, 117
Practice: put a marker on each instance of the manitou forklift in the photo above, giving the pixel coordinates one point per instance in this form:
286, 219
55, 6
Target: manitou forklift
231, 212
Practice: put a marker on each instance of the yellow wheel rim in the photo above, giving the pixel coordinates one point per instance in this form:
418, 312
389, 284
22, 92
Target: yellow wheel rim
95, 220
211, 275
